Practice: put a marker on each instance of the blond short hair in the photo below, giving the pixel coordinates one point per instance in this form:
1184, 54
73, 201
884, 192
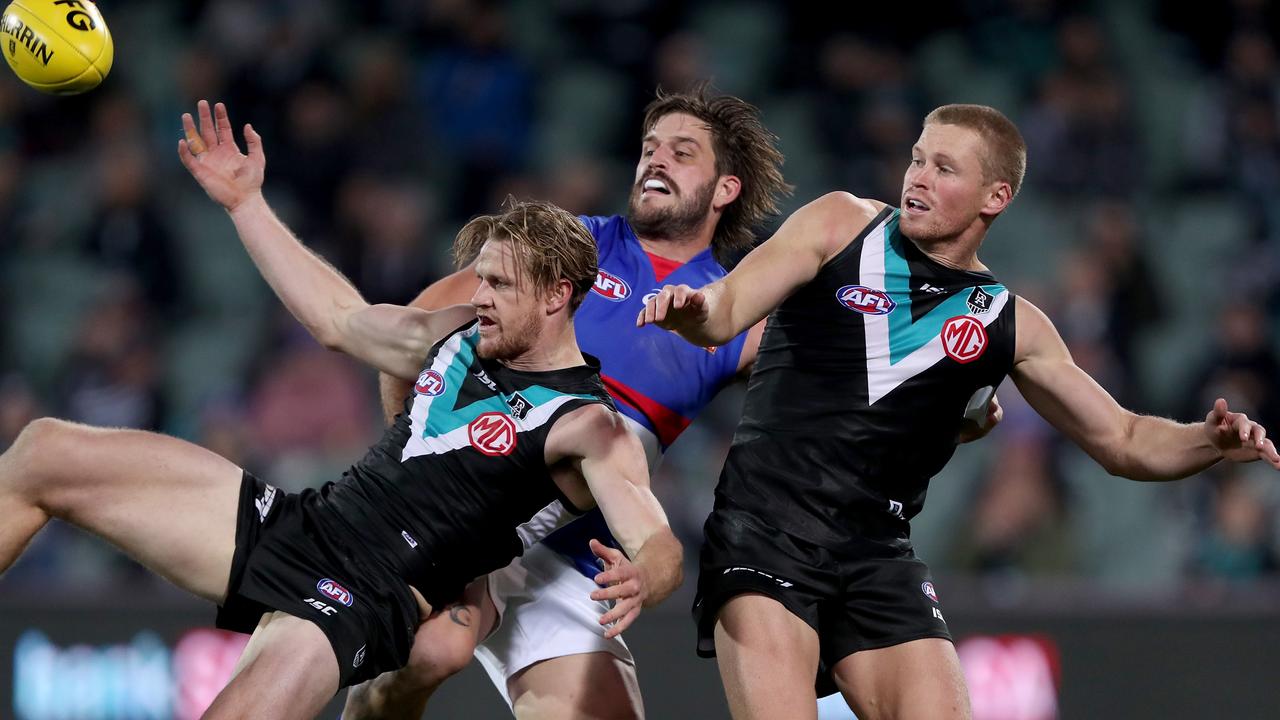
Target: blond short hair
1006, 155
549, 245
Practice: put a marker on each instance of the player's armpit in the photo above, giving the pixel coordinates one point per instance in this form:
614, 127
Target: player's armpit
454, 289
790, 258
396, 339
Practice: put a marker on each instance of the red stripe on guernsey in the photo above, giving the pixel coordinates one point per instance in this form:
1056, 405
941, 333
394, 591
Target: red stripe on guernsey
662, 267
667, 423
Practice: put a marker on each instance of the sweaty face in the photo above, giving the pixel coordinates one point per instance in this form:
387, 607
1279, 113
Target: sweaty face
675, 178
943, 189
507, 305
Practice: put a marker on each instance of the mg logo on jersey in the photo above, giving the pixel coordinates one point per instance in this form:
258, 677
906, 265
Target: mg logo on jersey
335, 592
611, 287
429, 383
493, 433
865, 300
964, 338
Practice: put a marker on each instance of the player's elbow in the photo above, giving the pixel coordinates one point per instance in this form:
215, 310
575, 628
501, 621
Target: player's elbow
327, 335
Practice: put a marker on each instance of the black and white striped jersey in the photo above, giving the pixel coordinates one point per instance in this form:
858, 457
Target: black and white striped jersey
860, 387
459, 484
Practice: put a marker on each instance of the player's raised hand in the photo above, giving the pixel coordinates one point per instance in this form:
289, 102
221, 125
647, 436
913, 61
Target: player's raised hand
1238, 438
623, 584
210, 154
675, 307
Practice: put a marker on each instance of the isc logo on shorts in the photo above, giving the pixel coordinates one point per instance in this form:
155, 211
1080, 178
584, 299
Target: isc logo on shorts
865, 300
332, 590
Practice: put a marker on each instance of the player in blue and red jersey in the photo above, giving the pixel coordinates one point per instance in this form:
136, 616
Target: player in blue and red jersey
709, 174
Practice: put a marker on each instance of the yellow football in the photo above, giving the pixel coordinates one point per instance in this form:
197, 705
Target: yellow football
57, 46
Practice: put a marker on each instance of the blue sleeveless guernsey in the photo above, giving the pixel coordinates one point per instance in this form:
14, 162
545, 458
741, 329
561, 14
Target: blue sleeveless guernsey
658, 381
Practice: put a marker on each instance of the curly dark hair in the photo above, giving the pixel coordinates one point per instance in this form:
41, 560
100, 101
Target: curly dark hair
743, 147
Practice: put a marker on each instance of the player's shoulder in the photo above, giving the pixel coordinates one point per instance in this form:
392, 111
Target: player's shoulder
845, 208
1035, 332
591, 425
832, 219
605, 226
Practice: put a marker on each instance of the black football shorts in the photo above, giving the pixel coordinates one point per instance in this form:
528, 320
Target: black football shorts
284, 561
877, 599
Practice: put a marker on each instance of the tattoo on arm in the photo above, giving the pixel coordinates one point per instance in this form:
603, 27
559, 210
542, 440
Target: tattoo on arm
460, 614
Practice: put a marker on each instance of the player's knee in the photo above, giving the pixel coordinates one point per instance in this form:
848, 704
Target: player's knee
32, 463
453, 654
39, 441
436, 658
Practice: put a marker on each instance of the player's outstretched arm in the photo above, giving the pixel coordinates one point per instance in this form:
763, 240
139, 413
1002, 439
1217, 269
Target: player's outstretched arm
455, 289
1134, 446
716, 313
612, 461
391, 338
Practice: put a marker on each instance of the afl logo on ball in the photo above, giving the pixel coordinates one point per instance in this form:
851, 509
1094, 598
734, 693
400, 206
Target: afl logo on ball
964, 338
429, 383
611, 287
493, 433
865, 300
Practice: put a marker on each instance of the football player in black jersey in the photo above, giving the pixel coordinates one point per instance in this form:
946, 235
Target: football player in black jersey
860, 383
336, 579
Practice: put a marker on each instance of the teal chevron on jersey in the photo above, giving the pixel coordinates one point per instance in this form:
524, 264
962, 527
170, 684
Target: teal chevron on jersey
446, 415
906, 335
441, 418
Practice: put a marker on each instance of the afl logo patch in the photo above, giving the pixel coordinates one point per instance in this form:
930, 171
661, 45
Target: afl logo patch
865, 300
429, 383
929, 592
964, 338
335, 592
611, 287
493, 433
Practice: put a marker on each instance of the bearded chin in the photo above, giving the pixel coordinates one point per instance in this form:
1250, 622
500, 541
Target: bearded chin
511, 345
670, 222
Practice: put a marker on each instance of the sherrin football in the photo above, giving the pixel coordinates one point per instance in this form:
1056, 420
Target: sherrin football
57, 46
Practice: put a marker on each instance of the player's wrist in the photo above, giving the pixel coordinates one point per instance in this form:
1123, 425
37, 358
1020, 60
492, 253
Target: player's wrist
247, 204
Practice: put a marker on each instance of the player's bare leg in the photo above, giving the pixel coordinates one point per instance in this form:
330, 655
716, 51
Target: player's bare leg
167, 503
768, 659
288, 670
585, 686
917, 680
442, 647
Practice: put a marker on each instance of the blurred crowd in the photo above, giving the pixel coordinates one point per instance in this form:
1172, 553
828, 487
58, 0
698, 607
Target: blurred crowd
1147, 228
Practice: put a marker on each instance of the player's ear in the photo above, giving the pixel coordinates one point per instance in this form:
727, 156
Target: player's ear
558, 296
998, 198
728, 187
